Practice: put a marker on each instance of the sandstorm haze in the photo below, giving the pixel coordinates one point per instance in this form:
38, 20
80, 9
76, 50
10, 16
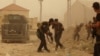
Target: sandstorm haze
51, 8
55, 9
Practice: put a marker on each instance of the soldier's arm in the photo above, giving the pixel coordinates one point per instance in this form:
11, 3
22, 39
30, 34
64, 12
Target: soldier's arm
53, 26
62, 26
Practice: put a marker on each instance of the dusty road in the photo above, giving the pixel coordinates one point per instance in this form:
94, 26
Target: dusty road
73, 48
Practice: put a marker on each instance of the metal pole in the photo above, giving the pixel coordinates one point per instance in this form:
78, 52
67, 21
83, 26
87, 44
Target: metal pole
14, 1
41, 10
85, 19
68, 12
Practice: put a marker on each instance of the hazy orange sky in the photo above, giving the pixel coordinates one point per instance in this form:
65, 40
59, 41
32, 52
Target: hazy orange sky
51, 8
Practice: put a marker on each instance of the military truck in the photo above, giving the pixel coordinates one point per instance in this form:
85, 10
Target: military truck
14, 28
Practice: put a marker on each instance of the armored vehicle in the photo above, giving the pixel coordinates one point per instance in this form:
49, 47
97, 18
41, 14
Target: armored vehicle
14, 28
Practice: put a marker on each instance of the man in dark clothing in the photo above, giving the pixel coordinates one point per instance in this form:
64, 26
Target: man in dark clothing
93, 28
43, 28
96, 7
88, 29
58, 29
41, 31
76, 32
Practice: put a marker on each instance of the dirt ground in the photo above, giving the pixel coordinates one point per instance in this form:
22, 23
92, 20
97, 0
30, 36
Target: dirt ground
72, 48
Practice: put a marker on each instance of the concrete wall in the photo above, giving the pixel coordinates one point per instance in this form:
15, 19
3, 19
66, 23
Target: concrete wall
33, 23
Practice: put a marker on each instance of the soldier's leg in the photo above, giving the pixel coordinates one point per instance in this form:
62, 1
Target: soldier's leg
93, 33
40, 46
56, 47
78, 37
75, 36
56, 41
59, 37
41, 43
99, 49
45, 45
96, 50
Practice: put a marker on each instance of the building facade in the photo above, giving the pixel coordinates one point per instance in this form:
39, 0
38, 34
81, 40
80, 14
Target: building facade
13, 9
